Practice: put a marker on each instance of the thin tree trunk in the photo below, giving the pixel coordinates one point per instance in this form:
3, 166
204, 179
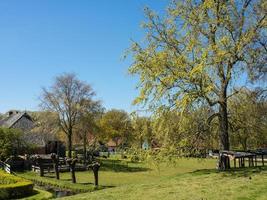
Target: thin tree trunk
73, 177
95, 168
244, 142
84, 149
69, 145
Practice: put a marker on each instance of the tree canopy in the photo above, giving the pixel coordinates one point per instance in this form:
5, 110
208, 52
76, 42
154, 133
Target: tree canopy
69, 98
197, 53
116, 124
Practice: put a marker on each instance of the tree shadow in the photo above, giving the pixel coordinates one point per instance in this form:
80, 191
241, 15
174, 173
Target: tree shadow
204, 172
120, 166
245, 172
100, 186
233, 172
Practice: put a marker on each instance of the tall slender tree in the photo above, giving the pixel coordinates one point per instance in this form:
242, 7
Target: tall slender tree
68, 97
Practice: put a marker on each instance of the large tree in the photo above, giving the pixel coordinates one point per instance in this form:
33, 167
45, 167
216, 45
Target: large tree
248, 121
197, 52
116, 125
88, 123
68, 97
142, 129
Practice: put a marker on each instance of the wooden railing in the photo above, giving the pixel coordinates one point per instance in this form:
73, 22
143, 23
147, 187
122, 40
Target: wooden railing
5, 167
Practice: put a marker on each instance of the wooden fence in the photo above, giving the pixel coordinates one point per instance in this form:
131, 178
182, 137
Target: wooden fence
5, 167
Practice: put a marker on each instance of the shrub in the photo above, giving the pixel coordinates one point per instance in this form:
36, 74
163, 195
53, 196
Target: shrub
11, 142
14, 187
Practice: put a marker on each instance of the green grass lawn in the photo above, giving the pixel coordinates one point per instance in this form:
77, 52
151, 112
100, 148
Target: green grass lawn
203, 184
190, 179
117, 173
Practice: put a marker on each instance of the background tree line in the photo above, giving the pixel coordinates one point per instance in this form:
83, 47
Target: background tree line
188, 133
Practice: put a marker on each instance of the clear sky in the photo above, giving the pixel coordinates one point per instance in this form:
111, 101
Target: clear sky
40, 39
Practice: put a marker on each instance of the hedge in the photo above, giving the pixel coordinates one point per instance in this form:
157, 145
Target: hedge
14, 187
40, 195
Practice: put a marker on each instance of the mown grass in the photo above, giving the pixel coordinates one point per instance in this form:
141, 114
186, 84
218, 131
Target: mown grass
247, 184
116, 173
194, 179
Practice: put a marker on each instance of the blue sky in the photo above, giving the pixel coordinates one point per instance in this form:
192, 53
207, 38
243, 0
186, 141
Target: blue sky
40, 39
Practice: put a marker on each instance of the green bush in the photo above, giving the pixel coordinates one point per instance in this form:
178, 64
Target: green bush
9, 140
14, 187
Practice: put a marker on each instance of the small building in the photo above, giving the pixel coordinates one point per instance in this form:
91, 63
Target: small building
114, 144
145, 145
18, 120
24, 122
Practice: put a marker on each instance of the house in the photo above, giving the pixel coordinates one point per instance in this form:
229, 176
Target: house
114, 144
145, 145
24, 122
18, 120
150, 144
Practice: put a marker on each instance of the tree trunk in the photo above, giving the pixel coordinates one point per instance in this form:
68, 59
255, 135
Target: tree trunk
84, 149
55, 160
41, 170
95, 168
223, 123
244, 141
56, 170
72, 170
69, 145
223, 120
224, 161
72, 162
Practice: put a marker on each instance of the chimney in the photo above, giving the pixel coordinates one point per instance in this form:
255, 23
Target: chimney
12, 112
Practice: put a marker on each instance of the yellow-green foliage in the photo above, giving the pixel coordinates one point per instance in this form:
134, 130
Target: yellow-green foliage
194, 50
14, 187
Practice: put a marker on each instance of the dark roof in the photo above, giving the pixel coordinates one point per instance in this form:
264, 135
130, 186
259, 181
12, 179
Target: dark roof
10, 120
35, 138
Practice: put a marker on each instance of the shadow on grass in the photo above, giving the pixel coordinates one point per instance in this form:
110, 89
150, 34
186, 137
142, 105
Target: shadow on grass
121, 166
203, 172
245, 172
234, 172
101, 186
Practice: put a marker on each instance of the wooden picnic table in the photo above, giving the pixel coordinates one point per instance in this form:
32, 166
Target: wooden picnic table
251, 156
